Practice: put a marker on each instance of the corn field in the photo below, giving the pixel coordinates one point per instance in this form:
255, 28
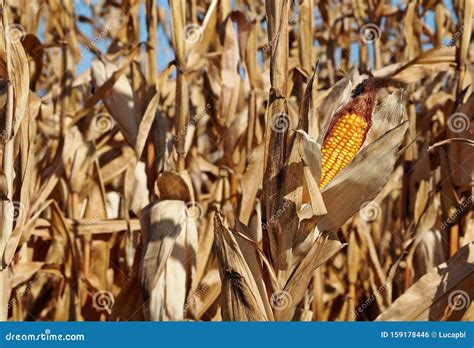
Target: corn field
235, 160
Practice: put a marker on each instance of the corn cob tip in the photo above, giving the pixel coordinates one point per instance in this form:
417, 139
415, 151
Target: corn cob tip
347, 131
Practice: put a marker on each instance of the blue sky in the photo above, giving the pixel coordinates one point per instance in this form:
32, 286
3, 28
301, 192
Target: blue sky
165, 53
87, 57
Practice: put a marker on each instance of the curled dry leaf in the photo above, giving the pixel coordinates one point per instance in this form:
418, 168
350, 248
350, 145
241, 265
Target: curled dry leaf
169, 254
240, 298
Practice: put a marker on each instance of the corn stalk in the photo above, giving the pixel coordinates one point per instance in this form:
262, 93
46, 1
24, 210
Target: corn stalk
275, 142
178, 19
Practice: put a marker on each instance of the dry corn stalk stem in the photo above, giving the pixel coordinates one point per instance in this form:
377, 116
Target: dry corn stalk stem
249, 160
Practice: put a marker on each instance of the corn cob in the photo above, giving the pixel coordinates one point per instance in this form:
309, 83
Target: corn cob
341, 144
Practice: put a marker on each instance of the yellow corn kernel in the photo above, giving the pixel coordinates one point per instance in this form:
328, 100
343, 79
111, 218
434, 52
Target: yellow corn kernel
341, 145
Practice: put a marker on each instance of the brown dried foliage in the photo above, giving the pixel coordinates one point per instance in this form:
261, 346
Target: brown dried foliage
136, 192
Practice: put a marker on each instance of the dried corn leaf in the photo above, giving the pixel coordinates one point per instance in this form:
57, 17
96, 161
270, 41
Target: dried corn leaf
434, 295
240, 299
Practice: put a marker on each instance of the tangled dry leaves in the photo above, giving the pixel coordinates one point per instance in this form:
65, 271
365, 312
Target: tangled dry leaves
191, 188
